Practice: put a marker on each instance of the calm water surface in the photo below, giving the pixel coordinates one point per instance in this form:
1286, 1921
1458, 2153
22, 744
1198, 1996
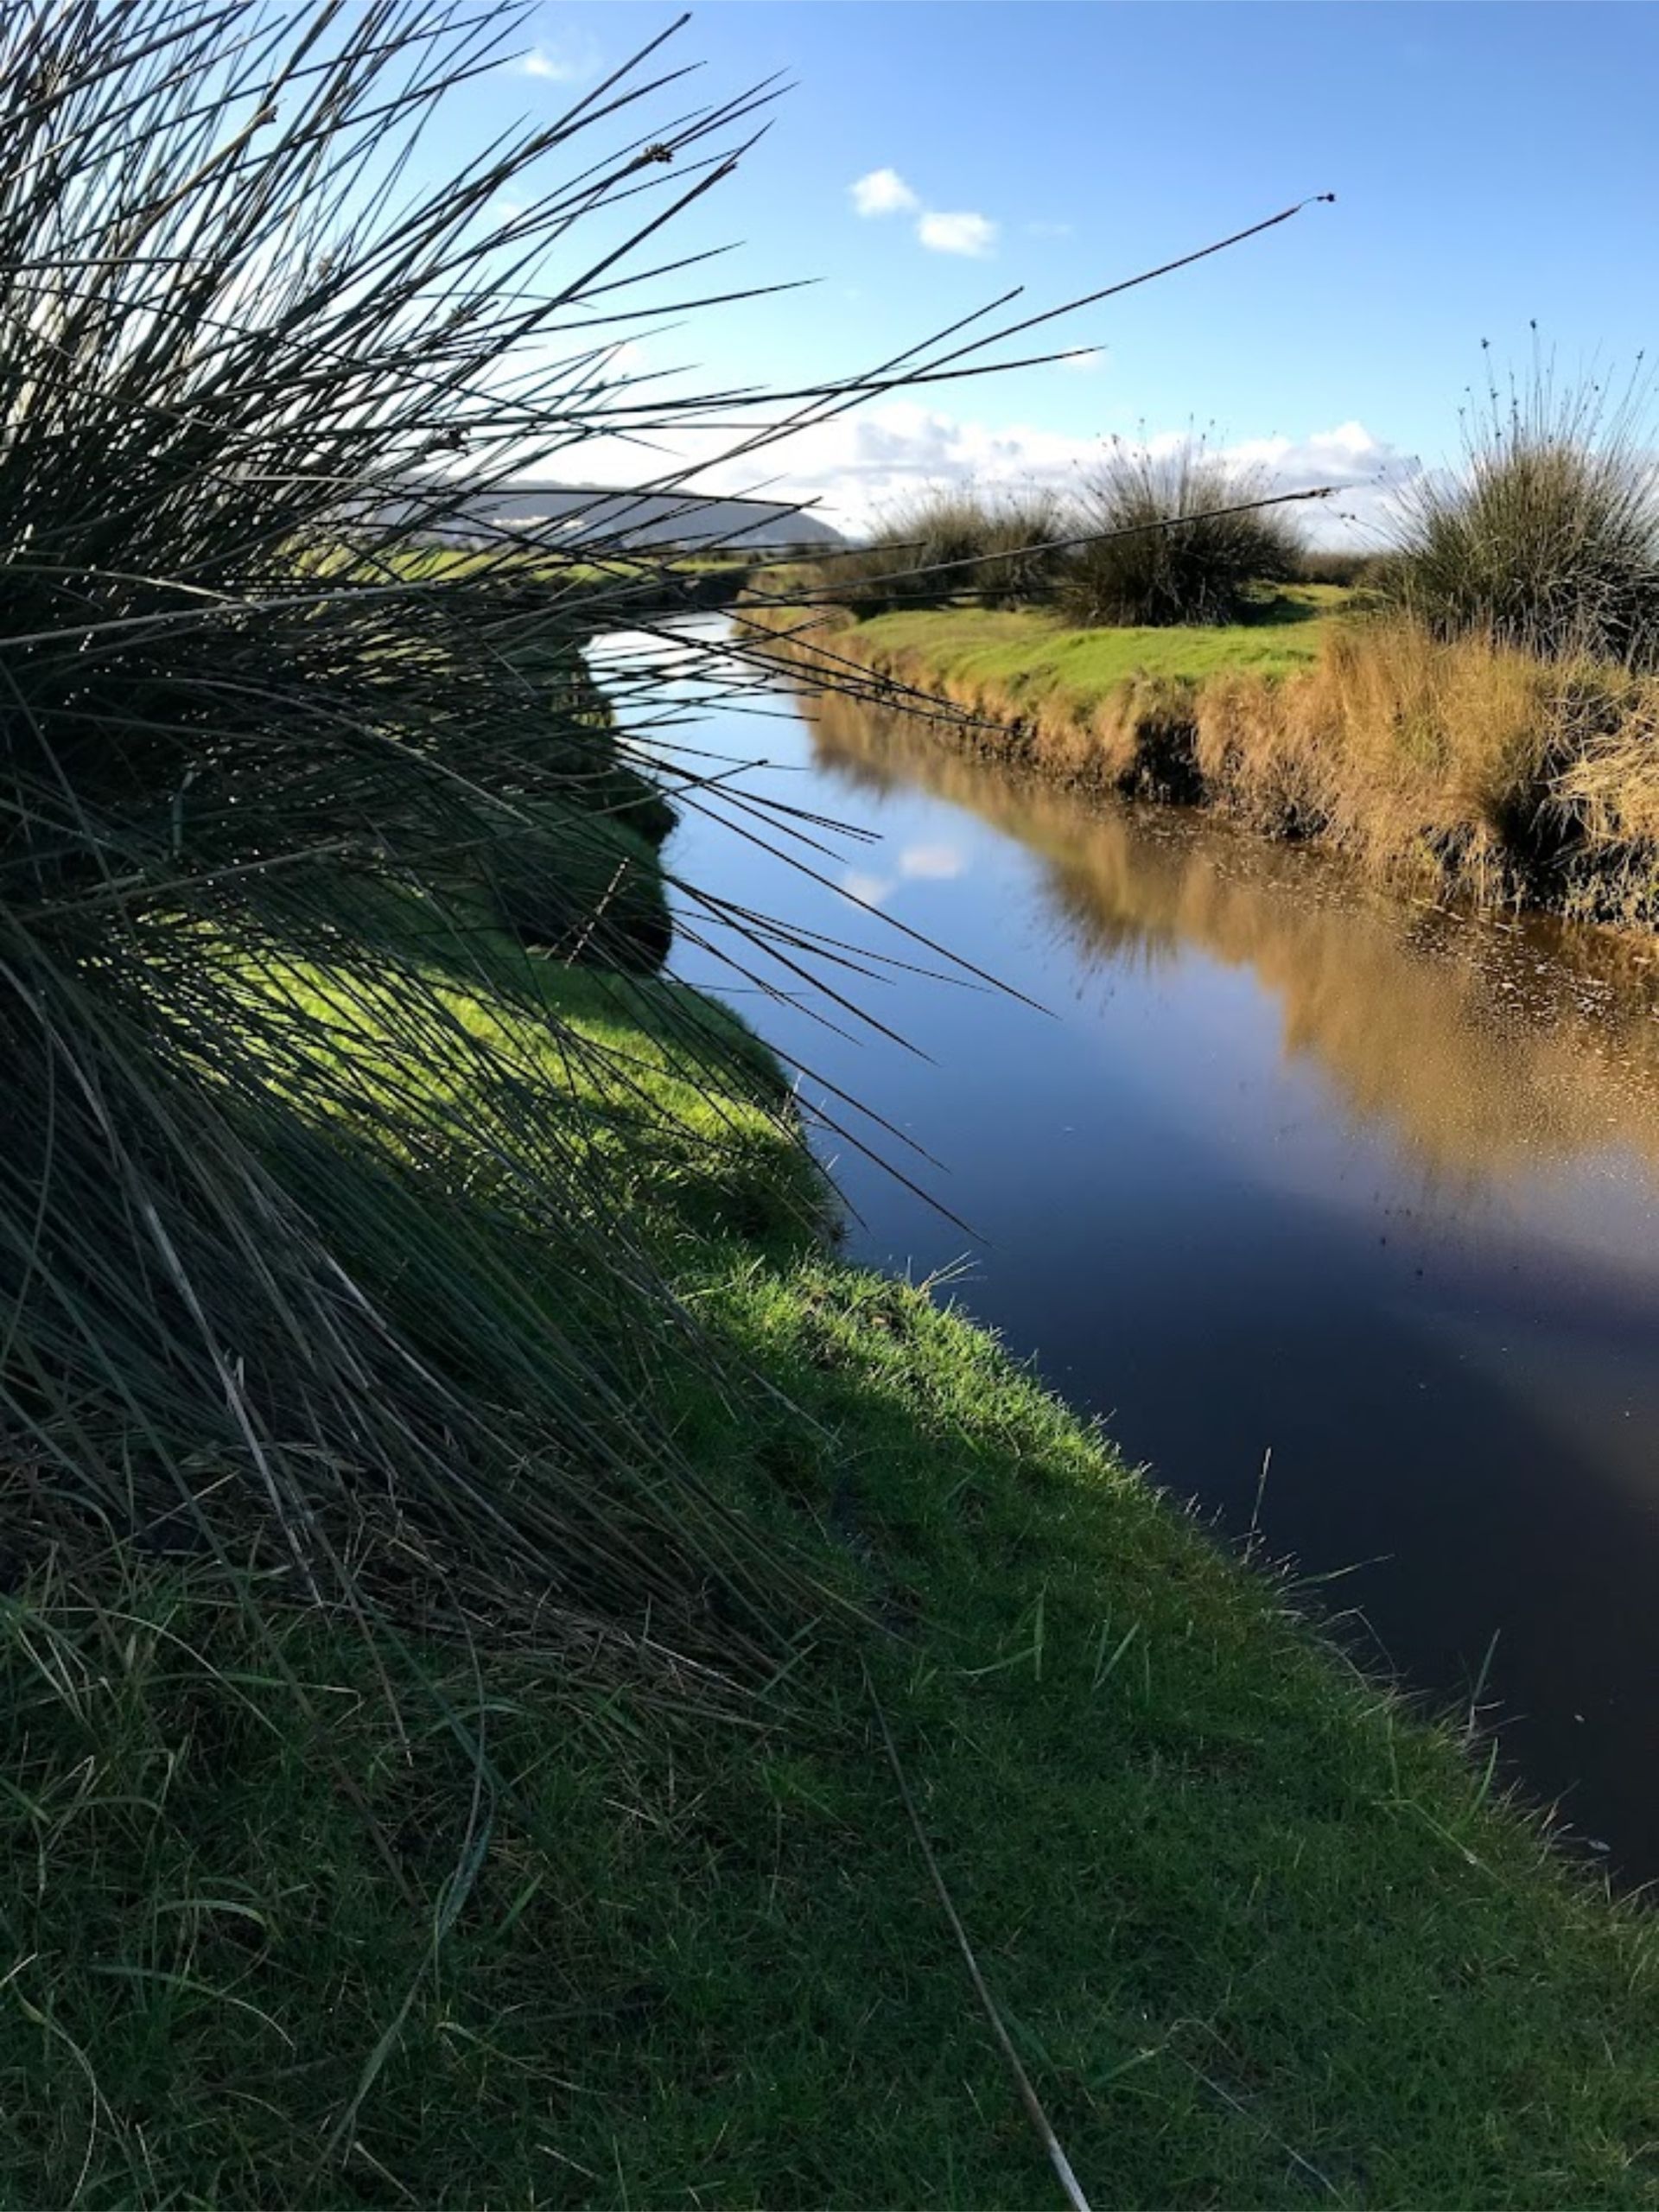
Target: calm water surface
1278, 1171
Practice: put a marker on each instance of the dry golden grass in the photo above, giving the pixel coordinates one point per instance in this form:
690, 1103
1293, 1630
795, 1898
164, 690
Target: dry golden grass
1467, 762
1486, 1048
1462, 764
1614, 783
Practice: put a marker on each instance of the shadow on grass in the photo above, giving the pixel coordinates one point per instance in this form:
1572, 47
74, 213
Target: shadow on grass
1249, 1922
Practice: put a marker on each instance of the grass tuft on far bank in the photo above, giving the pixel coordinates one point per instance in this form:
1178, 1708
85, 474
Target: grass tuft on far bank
1457, 765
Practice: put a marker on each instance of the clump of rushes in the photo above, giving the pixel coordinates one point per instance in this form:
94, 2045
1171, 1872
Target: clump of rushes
302, 1265
989, 548
1170, 545
1547, 538
1349, 568
297, 1268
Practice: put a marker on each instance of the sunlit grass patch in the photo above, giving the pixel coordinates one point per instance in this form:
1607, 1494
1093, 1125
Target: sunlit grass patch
1256, 1928
1031, 653
1462, 764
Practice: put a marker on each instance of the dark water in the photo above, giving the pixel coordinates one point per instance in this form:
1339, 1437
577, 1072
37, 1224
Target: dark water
1287, 1171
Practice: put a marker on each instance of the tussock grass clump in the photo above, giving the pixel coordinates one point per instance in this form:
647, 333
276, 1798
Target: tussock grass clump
1466, 763
270, 785
1107, 557
1167, 552
1348, 567
992, 548
1547, 538
588, 892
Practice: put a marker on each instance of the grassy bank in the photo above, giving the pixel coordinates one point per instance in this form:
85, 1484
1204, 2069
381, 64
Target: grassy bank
1460, 764
1105, 707
304, 1914
614, 586
453, 1494
1033, 656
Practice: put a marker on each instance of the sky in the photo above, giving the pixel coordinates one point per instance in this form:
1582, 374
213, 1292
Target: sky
1495, 166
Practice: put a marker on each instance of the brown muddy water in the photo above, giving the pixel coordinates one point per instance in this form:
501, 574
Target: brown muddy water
1279, 1174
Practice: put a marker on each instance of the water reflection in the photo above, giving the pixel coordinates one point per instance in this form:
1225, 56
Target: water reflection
1486, 1048
932, 863
1287, 1166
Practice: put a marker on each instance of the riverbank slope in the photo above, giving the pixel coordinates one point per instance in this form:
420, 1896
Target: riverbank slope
478, 1930
1462, 768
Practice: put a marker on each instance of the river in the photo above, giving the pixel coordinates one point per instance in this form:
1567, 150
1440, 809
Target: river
1342, 1212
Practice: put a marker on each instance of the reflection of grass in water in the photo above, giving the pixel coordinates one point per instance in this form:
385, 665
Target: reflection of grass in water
1442, 763
1441, 1028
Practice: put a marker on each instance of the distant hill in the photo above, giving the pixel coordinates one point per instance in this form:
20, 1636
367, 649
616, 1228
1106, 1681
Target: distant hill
635, 521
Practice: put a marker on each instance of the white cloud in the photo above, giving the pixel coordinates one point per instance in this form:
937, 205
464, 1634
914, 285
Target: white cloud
562, 61
868, 890
931, 863
883, 191
1091, 357
1328, 454
860, 467
857, 466
969, 234
1366, 473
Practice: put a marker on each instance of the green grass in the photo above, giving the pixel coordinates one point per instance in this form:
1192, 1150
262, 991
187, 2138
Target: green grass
1262, 1936
456, 564
1546, 538
1032, 655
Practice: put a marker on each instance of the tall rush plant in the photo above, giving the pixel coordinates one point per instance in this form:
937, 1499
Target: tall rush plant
295, 1268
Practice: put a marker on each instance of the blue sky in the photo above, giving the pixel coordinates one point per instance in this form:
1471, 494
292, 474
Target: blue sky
1493, 164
